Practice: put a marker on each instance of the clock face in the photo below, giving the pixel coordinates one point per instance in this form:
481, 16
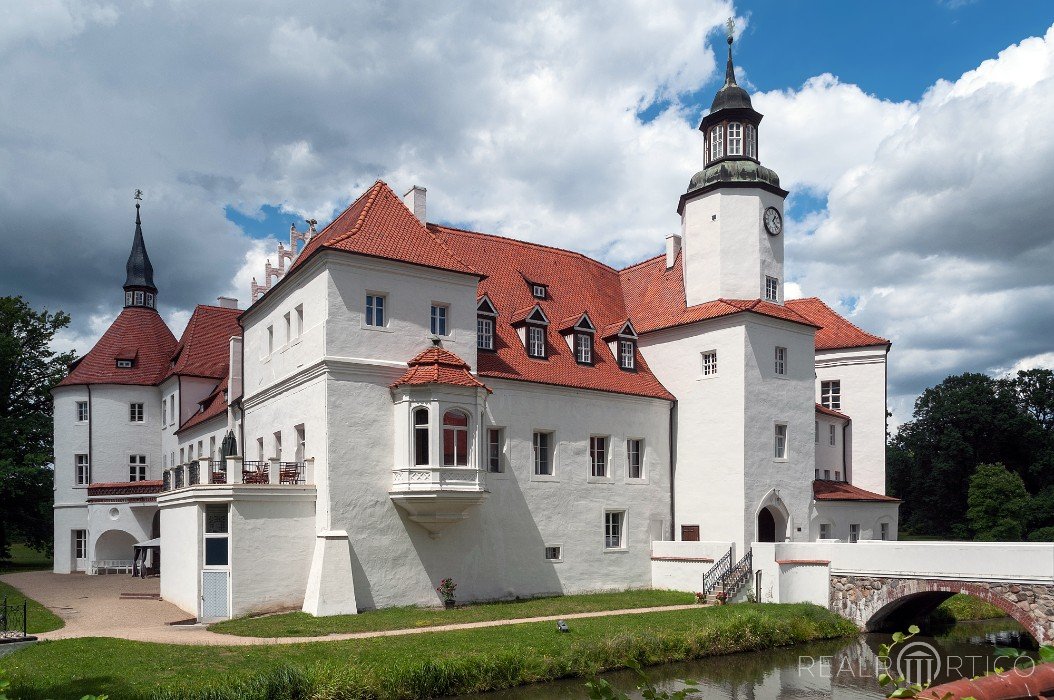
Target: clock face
773, 221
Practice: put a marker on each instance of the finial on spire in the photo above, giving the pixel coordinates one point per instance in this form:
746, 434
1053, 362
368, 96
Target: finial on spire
730, 29
138, 197
730, 71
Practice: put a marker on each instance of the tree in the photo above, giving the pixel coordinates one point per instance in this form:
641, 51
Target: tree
998, 504
29, 369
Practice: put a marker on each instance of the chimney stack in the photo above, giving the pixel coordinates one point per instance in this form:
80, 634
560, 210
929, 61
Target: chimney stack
673, 248
415, 202
227, 302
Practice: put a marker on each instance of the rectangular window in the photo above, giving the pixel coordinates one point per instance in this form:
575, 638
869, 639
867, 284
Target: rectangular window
137, 467
837, 475
772, 289
138, 298
883, 529
172, 410
182, 455
164, 413
259, 449
543, 454
627, 354
613, 529
831, 435
710, 363
598, 456
584, 348
535, 341
164, 461
439, 314
375, 310
216, 534
831, 394
135, 412
634, 459
781, 360
751, 142
552, 553
80, 544
288, 318
538, 291
825, 531
854, 532
82, 411
299, 320
212, 447
826, 474
735, 139
300, 449
276, 443
270, 340
485, 333
495, 443
780, 451
83, 470
125, 364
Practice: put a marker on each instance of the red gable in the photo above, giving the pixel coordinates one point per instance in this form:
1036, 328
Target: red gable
138, 334
831, 412
438, 366
835, 331
204, 349
844, 491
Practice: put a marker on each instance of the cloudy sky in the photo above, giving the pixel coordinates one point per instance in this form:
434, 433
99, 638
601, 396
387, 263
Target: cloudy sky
918, 145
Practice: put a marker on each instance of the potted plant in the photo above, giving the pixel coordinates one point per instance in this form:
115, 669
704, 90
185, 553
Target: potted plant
700, 597
722, 597
446, 590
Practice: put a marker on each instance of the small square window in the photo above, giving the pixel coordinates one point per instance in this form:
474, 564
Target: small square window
135, 413
710, 363
614, 530
780, 447
375, 310
484, 333
439, 319
772, 289
82, 411
125, 364
552, 553
831, 394
781, 361
539, 291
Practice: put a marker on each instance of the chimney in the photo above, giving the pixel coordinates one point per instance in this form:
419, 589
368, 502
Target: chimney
227, 302
673, 247
415, 202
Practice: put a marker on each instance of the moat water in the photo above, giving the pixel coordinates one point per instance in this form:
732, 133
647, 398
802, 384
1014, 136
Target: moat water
843, 669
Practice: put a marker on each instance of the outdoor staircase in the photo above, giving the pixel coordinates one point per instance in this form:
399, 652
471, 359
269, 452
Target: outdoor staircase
727, 578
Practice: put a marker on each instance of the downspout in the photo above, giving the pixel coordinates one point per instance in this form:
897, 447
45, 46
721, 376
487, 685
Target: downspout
845, 450
673, 469
91, 422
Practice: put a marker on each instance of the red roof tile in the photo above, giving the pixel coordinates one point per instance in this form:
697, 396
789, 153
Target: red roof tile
213, 405
835, 332
820, 408
582, 285
204, 349
137, 333
438, 366
844, 491
124, 488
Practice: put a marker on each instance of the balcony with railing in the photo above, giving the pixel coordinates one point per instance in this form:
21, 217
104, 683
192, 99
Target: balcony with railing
437, 497
235, 470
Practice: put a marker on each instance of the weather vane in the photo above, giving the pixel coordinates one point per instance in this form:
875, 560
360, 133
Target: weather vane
138, 195
730, 27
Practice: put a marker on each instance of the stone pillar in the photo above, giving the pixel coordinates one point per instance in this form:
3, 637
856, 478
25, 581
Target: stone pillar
234, 469
274, 470
204, 471
330, 585
309, 470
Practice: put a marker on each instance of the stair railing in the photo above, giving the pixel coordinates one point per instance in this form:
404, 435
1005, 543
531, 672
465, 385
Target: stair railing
717, 573
737, 575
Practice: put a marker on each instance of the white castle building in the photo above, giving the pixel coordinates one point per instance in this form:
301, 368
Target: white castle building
408, 402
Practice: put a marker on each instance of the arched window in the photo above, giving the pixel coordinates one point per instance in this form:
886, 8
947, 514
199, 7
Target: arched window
735, 139
751, 142
455, 439
717, 142
420, 436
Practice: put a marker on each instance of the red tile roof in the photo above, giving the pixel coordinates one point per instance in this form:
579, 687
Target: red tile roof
438, 366
213, 405
137, 333
204, 349
655, 299
820, 408
577, 284
379, 225
835, 332
124, 488
844, 491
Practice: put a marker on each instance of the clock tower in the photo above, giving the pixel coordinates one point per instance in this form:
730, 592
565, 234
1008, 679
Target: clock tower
732, 213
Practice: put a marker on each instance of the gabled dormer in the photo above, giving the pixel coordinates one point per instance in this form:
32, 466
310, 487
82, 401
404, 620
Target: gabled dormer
486, 318
531, 324
622, 339
579, 332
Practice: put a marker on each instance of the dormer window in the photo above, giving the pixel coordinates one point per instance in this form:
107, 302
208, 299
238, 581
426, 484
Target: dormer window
735, 139
533, 332
149, 300
138, 298
536, 341
583, 348
125, 364
627, 354
539, 291
623, 343
127, 298
486, 315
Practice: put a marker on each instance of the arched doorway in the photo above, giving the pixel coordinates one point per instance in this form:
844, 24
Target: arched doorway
114, 545
766, 526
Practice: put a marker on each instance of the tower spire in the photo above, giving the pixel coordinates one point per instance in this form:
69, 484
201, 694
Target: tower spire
139, 289
730, 70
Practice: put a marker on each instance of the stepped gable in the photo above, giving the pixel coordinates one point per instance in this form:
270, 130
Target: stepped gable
438, 366
655, 299
575, 284
138, 334
836, 332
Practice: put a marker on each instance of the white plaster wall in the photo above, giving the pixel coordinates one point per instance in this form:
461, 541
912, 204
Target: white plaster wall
805, 583
169, 392
681, 566
68, 517
726, 251
831, 457
862, 372
134, 519
708, 474
840, 514
181, 555
115, 437
213, 429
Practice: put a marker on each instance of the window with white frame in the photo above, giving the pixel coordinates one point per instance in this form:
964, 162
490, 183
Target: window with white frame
137, 467
831, 435
751, 141
539, 291
172, 409
125, 364
82, 472
455, 439
260, 449
552, 552
375, 310
80, 544
854, 532
439, 319
150, 300
135, 413
82, 411
614, 535
421, 446
831, 394
781, 360
772, 288
717, 142
709, 363
216, 539
634, 459
536, 341
138, 298
735, 139
583, 348
543, 453
495, 447
598, 456
164, 413
484, 333
883, 529
127, 298
780, 441
627, 354
825, 531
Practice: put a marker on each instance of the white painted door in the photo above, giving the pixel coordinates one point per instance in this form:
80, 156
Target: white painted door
214, 594
80, 550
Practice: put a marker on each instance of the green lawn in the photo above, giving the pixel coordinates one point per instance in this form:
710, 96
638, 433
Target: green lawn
40, 618
967, 607
25, 559
299, 624
408, 666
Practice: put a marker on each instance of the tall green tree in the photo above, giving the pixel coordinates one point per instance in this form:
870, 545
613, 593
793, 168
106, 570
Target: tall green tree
998, 504
29, 369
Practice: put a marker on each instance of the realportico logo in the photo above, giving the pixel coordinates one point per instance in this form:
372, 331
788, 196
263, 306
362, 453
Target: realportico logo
917, 662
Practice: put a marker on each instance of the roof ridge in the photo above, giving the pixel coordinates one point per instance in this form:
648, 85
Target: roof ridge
828, 307
371, 197
646, 261
526, 244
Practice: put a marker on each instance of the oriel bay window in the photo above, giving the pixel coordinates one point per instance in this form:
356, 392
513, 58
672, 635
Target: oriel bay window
455, 439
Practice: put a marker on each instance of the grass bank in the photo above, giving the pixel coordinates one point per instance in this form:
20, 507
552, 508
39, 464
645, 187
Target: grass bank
25, 559
411, 666
967, 607
299, 624
40, 619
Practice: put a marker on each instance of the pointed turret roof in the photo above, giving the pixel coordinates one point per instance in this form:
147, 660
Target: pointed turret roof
138, 335
730, 96
438, 366
140, 273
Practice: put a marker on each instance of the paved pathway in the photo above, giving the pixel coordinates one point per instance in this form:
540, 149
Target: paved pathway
92, 607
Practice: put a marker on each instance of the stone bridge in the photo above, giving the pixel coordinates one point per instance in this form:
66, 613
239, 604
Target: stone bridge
890, 585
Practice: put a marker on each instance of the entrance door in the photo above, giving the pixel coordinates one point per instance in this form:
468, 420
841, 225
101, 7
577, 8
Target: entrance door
80, 550
766, 526
214, 587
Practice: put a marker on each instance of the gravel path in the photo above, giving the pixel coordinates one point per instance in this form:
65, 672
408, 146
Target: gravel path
92, 607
